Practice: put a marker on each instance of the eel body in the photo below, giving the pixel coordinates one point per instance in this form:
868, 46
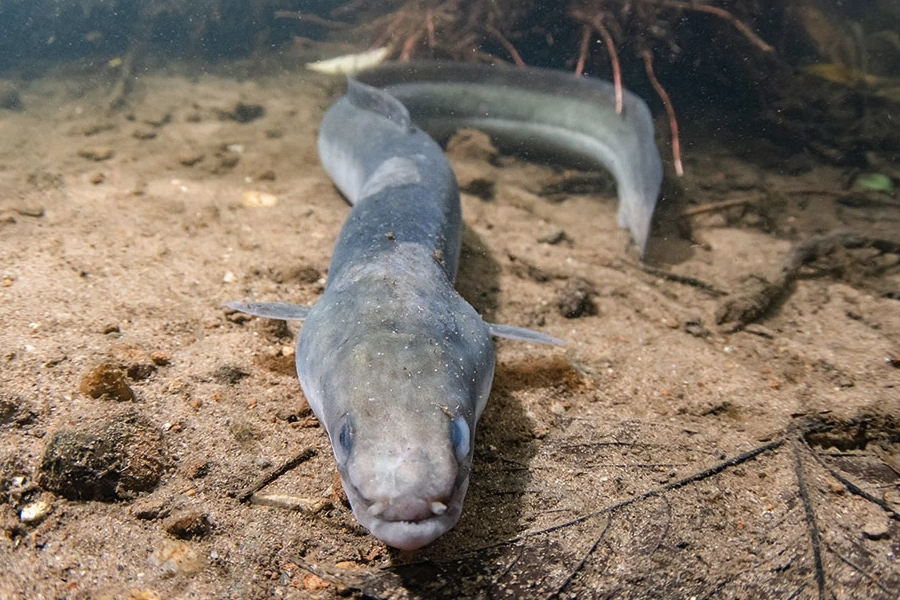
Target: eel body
394, 363
538, 112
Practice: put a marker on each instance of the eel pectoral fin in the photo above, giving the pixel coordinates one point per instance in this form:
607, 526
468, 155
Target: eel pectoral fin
272, 310
523, 335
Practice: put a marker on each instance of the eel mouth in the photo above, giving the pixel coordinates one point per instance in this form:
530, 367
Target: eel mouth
407, 524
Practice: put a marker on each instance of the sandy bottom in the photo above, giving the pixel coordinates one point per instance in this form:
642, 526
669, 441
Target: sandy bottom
654, 456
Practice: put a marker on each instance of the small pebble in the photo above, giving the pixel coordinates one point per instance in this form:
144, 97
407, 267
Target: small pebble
188, 158
35, 512
576, 299
257, 199
876, 529
106, 458
143, 134
150, 509
159, 358
96, 153
188, 525
106, 381
243, 112
553, 238
176, 558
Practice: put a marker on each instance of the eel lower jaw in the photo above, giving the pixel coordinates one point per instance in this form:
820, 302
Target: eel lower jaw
424, 527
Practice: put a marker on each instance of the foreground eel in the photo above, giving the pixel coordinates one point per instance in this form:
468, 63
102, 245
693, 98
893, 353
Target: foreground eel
394, 363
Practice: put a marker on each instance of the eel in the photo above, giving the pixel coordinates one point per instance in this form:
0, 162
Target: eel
395, 364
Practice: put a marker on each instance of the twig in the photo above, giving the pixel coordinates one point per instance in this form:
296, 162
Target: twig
275, 473
872, 579
581, 562
810, 522
507, 45
683, 279
855, 489
722, 14
673, 123
674, 485
713, 206
748, 306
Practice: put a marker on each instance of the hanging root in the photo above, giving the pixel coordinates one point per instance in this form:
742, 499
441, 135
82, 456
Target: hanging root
673, 122
722, 14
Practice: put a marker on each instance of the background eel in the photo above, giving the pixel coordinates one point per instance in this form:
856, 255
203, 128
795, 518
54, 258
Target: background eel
538, 112
394, 363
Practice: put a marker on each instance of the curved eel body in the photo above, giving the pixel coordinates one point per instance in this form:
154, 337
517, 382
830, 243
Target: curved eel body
538, 112
394, 363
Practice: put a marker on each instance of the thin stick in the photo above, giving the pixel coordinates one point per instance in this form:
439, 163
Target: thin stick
814, 537
713, 206
722, 14
673, 123
674, 485
275, 473
583, 50
597, 22
506, 45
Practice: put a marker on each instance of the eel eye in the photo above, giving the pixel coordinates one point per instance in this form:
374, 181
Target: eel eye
459, 437
345, 441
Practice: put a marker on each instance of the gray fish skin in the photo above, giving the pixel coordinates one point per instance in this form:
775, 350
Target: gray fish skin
394, 363
531, 109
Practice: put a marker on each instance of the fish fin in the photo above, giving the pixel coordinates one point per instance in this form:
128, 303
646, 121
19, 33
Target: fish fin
523, 335
379, 102
272, 310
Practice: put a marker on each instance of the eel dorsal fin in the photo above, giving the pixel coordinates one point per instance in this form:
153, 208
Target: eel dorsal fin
378, 101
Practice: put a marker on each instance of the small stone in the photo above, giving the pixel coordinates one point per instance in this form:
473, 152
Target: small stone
243, 112
111, 328
553, 238
142, 133
188, 158
150, 509
106, 381
96, 153
695, 328
257, 199
176, 558
159, 358
188, 525
97, 178
576, 299
229, 374
134, 361
876, 529
35, 512
107, 458
314, 583
196, 469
